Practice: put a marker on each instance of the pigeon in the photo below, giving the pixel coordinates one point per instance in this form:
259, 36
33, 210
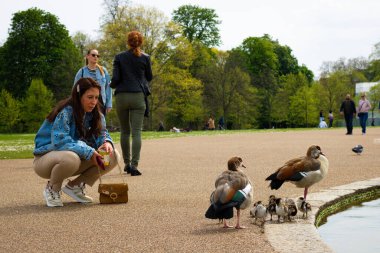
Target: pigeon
303, 206
358, 149
303, 171
232, 189
259, 211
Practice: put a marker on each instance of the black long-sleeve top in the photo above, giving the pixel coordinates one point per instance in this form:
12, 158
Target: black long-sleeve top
129, 71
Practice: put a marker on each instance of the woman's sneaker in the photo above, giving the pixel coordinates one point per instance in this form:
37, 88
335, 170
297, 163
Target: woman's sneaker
53, 198
77, 193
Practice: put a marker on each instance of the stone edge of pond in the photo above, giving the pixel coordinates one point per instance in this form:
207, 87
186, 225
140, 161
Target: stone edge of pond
301, 235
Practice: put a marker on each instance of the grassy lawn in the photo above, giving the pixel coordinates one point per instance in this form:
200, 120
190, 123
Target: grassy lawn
20, 146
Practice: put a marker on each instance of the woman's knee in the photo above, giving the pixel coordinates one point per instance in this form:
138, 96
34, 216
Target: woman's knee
64, 161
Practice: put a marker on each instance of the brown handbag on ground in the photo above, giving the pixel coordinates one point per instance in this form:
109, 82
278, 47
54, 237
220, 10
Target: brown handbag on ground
113, 193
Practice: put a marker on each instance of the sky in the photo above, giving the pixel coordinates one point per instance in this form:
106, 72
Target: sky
316, 30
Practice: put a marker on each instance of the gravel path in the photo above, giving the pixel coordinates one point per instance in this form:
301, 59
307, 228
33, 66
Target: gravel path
166, 207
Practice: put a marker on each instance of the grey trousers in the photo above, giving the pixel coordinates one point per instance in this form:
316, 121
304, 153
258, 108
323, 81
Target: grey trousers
59, 165
130, 108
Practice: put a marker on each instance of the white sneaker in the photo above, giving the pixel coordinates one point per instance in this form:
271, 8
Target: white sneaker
53, 198
77, 193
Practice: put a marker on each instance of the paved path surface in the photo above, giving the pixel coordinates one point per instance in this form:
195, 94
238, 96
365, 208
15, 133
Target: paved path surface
165, 212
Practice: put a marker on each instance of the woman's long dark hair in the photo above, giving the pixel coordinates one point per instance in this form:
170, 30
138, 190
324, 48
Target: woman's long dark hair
74, 101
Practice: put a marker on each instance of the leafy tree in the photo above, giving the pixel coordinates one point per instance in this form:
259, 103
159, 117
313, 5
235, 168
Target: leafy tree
262, 63
36, 105
83, 42
224, 86
198, 24
184, 102
303, 108
38, 46
290, 84
374, 98
373, 71
10, 112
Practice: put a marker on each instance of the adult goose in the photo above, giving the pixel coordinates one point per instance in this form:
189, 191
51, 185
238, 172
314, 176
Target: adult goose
232, 189
303, 171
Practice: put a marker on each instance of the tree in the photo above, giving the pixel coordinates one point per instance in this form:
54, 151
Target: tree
262, 64
38, 46
303, 108
10, 112
224, 86
289, 85
374, 98
198, 24
36, 105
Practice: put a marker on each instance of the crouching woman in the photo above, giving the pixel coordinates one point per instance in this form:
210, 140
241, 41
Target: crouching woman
68, 142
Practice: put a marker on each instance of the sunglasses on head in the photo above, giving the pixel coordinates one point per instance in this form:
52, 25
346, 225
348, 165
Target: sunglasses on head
95, 55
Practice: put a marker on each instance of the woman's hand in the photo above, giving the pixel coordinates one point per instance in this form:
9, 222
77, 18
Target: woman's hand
95, 160
107, 147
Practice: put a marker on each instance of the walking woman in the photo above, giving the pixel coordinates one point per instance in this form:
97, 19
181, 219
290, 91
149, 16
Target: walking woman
131, 70
100, 74
68, 142
363, 107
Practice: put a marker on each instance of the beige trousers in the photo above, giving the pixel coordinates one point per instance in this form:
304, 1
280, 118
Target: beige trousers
60, 165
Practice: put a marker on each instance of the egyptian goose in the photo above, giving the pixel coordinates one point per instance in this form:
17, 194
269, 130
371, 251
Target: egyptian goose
303, 171
232, 189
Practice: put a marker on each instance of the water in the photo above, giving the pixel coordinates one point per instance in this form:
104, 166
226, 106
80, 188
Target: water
356, 229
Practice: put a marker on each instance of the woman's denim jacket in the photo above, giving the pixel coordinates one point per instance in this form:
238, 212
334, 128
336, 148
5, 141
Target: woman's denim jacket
61, 135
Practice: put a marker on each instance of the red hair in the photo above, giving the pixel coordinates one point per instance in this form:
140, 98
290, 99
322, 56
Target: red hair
135, 40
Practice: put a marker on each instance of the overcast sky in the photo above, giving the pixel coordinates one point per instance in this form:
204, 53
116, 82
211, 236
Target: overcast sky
316, 30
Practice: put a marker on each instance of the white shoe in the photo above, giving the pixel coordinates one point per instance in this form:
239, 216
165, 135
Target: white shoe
53, 198
77, 193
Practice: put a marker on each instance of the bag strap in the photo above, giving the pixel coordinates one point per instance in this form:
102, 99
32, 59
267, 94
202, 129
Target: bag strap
118, 165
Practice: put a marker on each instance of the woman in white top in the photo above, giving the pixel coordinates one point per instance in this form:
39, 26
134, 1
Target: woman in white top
363, 108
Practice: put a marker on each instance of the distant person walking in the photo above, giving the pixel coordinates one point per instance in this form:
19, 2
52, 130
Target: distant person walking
131, 70
100, 74
331, 118
348, 110
221, 123
211, 123
363, 107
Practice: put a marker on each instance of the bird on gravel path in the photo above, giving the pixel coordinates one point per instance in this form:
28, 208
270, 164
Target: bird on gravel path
303, 171
358, 149
303, 206
232, 189
259, 211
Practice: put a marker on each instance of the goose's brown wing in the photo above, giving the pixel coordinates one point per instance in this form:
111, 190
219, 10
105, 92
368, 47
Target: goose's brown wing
301, 164
228, 183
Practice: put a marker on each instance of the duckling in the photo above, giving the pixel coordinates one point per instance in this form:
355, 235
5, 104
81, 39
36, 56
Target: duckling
292, 208
281, 210
259, 211
271, 208
303, 206
303, 171
232, 189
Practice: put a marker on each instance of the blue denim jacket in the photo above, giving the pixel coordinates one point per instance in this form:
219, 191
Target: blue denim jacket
104, 82
62, 135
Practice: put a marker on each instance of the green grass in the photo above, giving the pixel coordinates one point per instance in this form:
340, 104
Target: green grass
20, 146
